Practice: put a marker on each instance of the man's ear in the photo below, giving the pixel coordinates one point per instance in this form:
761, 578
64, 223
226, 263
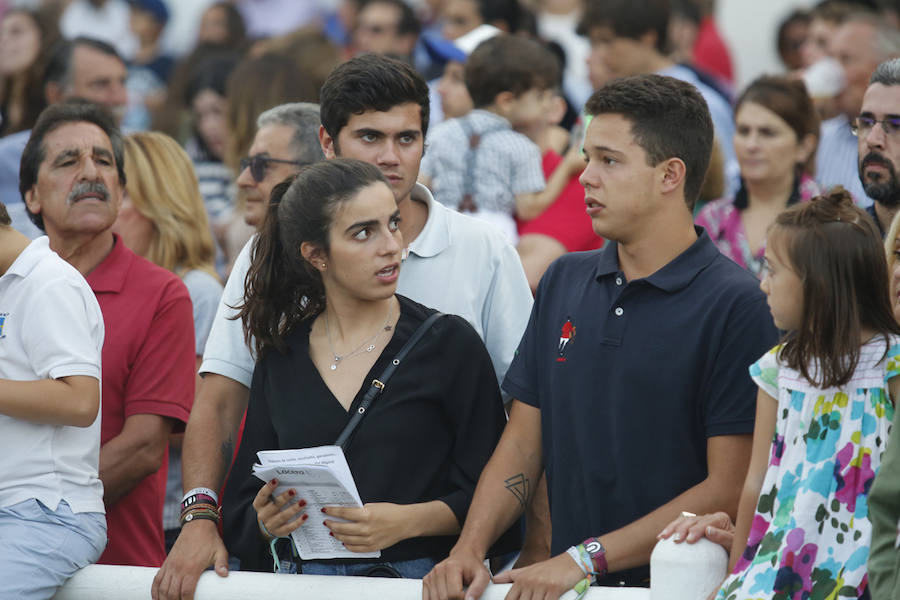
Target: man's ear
32, 202
327, 143
673, 174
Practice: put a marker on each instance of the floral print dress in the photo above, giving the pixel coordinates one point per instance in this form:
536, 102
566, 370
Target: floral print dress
810, 533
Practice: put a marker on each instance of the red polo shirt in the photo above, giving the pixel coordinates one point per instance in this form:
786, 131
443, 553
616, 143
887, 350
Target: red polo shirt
147, 368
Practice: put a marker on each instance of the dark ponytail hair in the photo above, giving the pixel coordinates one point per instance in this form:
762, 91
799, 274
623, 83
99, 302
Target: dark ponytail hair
281, 288
836, 250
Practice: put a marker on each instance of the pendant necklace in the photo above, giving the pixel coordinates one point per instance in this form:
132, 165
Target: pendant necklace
367, 346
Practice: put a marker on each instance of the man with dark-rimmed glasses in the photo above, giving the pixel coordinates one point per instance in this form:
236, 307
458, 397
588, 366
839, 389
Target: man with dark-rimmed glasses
286, 139
877, 129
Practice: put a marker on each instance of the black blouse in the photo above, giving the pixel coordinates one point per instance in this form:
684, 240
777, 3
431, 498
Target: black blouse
427, 437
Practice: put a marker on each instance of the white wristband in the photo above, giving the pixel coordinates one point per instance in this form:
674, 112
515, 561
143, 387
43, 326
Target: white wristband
201, 490
573, 552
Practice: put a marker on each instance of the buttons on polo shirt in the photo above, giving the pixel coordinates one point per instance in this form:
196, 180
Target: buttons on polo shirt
618, 280
619, 312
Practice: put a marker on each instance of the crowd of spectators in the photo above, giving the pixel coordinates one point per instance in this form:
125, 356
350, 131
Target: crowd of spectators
243, 210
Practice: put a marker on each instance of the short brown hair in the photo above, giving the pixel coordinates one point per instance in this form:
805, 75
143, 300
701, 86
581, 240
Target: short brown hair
509, 63
669, 119
628, 19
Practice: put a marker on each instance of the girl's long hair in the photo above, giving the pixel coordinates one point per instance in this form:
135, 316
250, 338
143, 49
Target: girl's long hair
282, 288
836, 250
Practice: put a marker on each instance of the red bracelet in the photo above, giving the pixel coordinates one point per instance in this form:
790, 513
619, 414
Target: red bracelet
598, 556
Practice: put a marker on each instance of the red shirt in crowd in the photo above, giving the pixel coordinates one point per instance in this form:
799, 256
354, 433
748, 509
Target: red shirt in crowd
147, 368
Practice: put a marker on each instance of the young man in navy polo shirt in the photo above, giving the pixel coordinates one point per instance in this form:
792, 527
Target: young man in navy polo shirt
630, 384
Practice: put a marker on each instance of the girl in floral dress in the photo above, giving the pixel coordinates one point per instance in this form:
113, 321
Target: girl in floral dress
824, 409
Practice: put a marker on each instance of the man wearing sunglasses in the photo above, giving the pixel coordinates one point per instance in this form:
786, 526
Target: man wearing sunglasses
286, 139
877, 129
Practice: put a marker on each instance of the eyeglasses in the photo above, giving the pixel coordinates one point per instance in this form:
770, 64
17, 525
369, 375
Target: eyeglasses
258, 164
861, 126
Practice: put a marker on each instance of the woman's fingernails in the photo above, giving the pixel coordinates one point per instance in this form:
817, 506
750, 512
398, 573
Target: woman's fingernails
291, 493
324, 511
304, 517
273, 482
331, 533
302, 503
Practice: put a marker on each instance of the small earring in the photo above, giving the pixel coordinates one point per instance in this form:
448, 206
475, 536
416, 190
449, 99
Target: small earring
324, 266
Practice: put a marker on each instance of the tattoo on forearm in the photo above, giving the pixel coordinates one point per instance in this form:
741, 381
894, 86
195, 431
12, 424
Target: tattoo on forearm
226, 453
518, 485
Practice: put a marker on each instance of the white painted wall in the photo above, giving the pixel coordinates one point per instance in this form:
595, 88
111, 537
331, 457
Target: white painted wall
749, 28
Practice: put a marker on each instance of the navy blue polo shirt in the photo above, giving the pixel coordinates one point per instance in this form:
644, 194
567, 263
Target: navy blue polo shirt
632, 377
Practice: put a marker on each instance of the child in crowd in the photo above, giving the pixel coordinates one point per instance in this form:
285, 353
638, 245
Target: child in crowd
564, 226
823, 412
52, 519
478, 163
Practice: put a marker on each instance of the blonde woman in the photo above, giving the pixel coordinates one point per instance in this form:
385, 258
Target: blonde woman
164, 220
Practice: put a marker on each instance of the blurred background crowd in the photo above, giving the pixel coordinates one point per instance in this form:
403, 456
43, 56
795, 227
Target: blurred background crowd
202, 71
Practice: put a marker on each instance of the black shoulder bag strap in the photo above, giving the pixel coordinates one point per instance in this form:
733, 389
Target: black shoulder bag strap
378, 385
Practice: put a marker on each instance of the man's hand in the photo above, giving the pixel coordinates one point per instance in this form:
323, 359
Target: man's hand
375, 526
448, 578
546, 580
197, 547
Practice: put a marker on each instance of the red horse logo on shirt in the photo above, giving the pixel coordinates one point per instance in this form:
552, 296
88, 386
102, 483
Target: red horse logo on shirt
566, 335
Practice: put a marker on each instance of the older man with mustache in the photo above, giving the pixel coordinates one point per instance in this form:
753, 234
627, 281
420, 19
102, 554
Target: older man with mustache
878, 131
72, 180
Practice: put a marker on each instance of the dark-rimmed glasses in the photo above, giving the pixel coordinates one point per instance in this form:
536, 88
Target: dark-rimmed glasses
862, 125
259, 162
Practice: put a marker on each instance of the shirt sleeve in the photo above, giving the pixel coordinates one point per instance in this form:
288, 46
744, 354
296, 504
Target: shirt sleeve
893, 360
506, 308
527, 169
226, 353
65, 336
206, 293
521, 379
884, 513
729, 398
765, 371
161, 379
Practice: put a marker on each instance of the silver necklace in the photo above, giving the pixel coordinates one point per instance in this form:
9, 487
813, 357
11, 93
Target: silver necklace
367, 346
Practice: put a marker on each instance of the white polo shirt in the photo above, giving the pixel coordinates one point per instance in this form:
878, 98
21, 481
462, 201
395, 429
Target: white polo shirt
50, 327
457, 265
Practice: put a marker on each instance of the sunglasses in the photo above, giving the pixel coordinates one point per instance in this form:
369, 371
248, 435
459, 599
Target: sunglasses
259, 163
861, 126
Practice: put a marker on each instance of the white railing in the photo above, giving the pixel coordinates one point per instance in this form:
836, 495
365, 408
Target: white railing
678, 572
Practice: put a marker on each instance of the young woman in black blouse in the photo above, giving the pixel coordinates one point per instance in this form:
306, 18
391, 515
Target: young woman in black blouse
322, 314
